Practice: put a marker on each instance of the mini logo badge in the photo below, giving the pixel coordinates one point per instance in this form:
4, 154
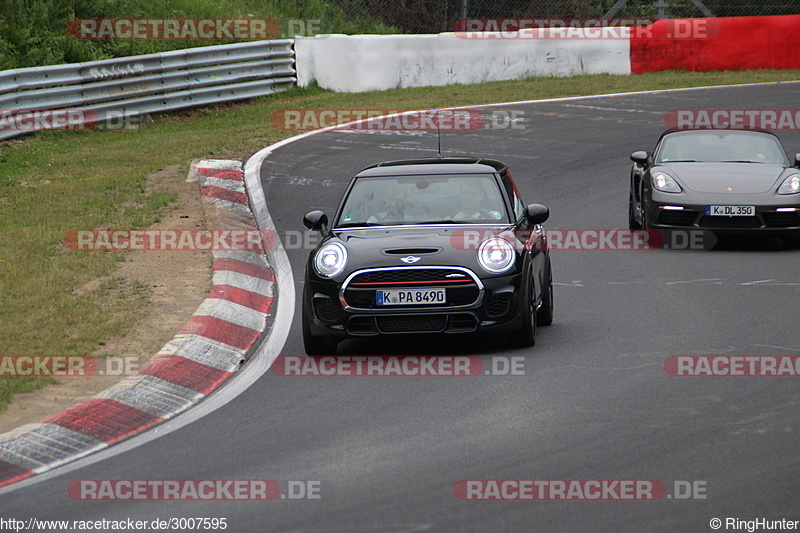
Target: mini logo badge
410, 259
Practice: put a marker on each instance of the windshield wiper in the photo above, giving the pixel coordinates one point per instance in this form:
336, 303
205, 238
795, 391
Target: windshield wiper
741, 161
360, 225
444, 221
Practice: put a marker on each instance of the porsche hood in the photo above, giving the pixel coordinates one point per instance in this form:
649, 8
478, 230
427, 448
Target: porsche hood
746, 178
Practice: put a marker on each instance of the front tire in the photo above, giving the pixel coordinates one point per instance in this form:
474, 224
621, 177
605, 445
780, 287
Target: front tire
544, 317
646, 225
633, 224
525, 337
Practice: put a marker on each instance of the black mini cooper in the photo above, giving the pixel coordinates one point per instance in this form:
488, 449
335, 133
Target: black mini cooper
440, 245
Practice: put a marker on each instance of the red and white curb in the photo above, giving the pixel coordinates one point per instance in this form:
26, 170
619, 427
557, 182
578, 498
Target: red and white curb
202, 356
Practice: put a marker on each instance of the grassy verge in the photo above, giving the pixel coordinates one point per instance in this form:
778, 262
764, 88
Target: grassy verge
57, 181
34, 33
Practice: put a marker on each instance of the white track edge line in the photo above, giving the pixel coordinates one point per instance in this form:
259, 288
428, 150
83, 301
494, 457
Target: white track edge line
269, 349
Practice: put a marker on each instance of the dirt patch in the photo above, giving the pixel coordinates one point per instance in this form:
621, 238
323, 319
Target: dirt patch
177, 282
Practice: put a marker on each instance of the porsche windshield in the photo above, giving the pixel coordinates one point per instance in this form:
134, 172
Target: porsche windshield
453, 199
719, 146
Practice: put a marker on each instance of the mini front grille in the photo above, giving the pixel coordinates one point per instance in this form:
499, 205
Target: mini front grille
411, 324
435, 323
460, 288
412, 275
454, 296
360, 298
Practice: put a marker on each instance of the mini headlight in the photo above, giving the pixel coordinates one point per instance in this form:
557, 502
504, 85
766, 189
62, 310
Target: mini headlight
496, 255
790, 185
330, 260
665, 183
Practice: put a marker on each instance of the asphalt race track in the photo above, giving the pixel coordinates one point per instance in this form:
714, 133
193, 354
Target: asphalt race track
594, 402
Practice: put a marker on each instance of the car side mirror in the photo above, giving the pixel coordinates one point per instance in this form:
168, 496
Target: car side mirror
316, 220
640, 158
797, 160
537, 213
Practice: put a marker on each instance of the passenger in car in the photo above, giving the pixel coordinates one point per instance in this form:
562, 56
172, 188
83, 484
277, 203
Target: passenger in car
396, 204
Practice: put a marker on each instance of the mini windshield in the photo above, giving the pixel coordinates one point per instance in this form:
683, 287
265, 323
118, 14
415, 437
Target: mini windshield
721, 146
454, 199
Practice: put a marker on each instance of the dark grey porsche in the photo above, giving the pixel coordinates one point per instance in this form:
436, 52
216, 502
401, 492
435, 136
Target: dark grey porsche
724, 181
434, 246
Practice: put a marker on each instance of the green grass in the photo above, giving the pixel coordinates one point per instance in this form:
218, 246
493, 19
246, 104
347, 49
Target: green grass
56, 181
34, 32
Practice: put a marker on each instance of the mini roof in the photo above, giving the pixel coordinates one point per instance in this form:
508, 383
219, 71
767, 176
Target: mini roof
434, 165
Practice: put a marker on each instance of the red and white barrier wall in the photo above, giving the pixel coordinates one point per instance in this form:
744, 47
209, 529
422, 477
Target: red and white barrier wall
361, 63
732, 43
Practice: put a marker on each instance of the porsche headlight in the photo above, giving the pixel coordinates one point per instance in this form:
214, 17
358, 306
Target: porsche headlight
330, 260
665, 183
790, 185
496, 255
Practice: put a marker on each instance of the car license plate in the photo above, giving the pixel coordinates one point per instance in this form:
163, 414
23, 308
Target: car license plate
410, 296
731, 210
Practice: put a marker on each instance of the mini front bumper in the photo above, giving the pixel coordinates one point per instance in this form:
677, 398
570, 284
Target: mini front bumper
498, 308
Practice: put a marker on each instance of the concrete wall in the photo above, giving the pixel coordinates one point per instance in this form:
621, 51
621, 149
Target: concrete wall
377, 62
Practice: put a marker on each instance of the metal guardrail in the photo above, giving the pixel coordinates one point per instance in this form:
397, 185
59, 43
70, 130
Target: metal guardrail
112, 90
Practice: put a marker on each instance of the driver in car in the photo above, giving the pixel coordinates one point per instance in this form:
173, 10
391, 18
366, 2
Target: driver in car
472, 199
